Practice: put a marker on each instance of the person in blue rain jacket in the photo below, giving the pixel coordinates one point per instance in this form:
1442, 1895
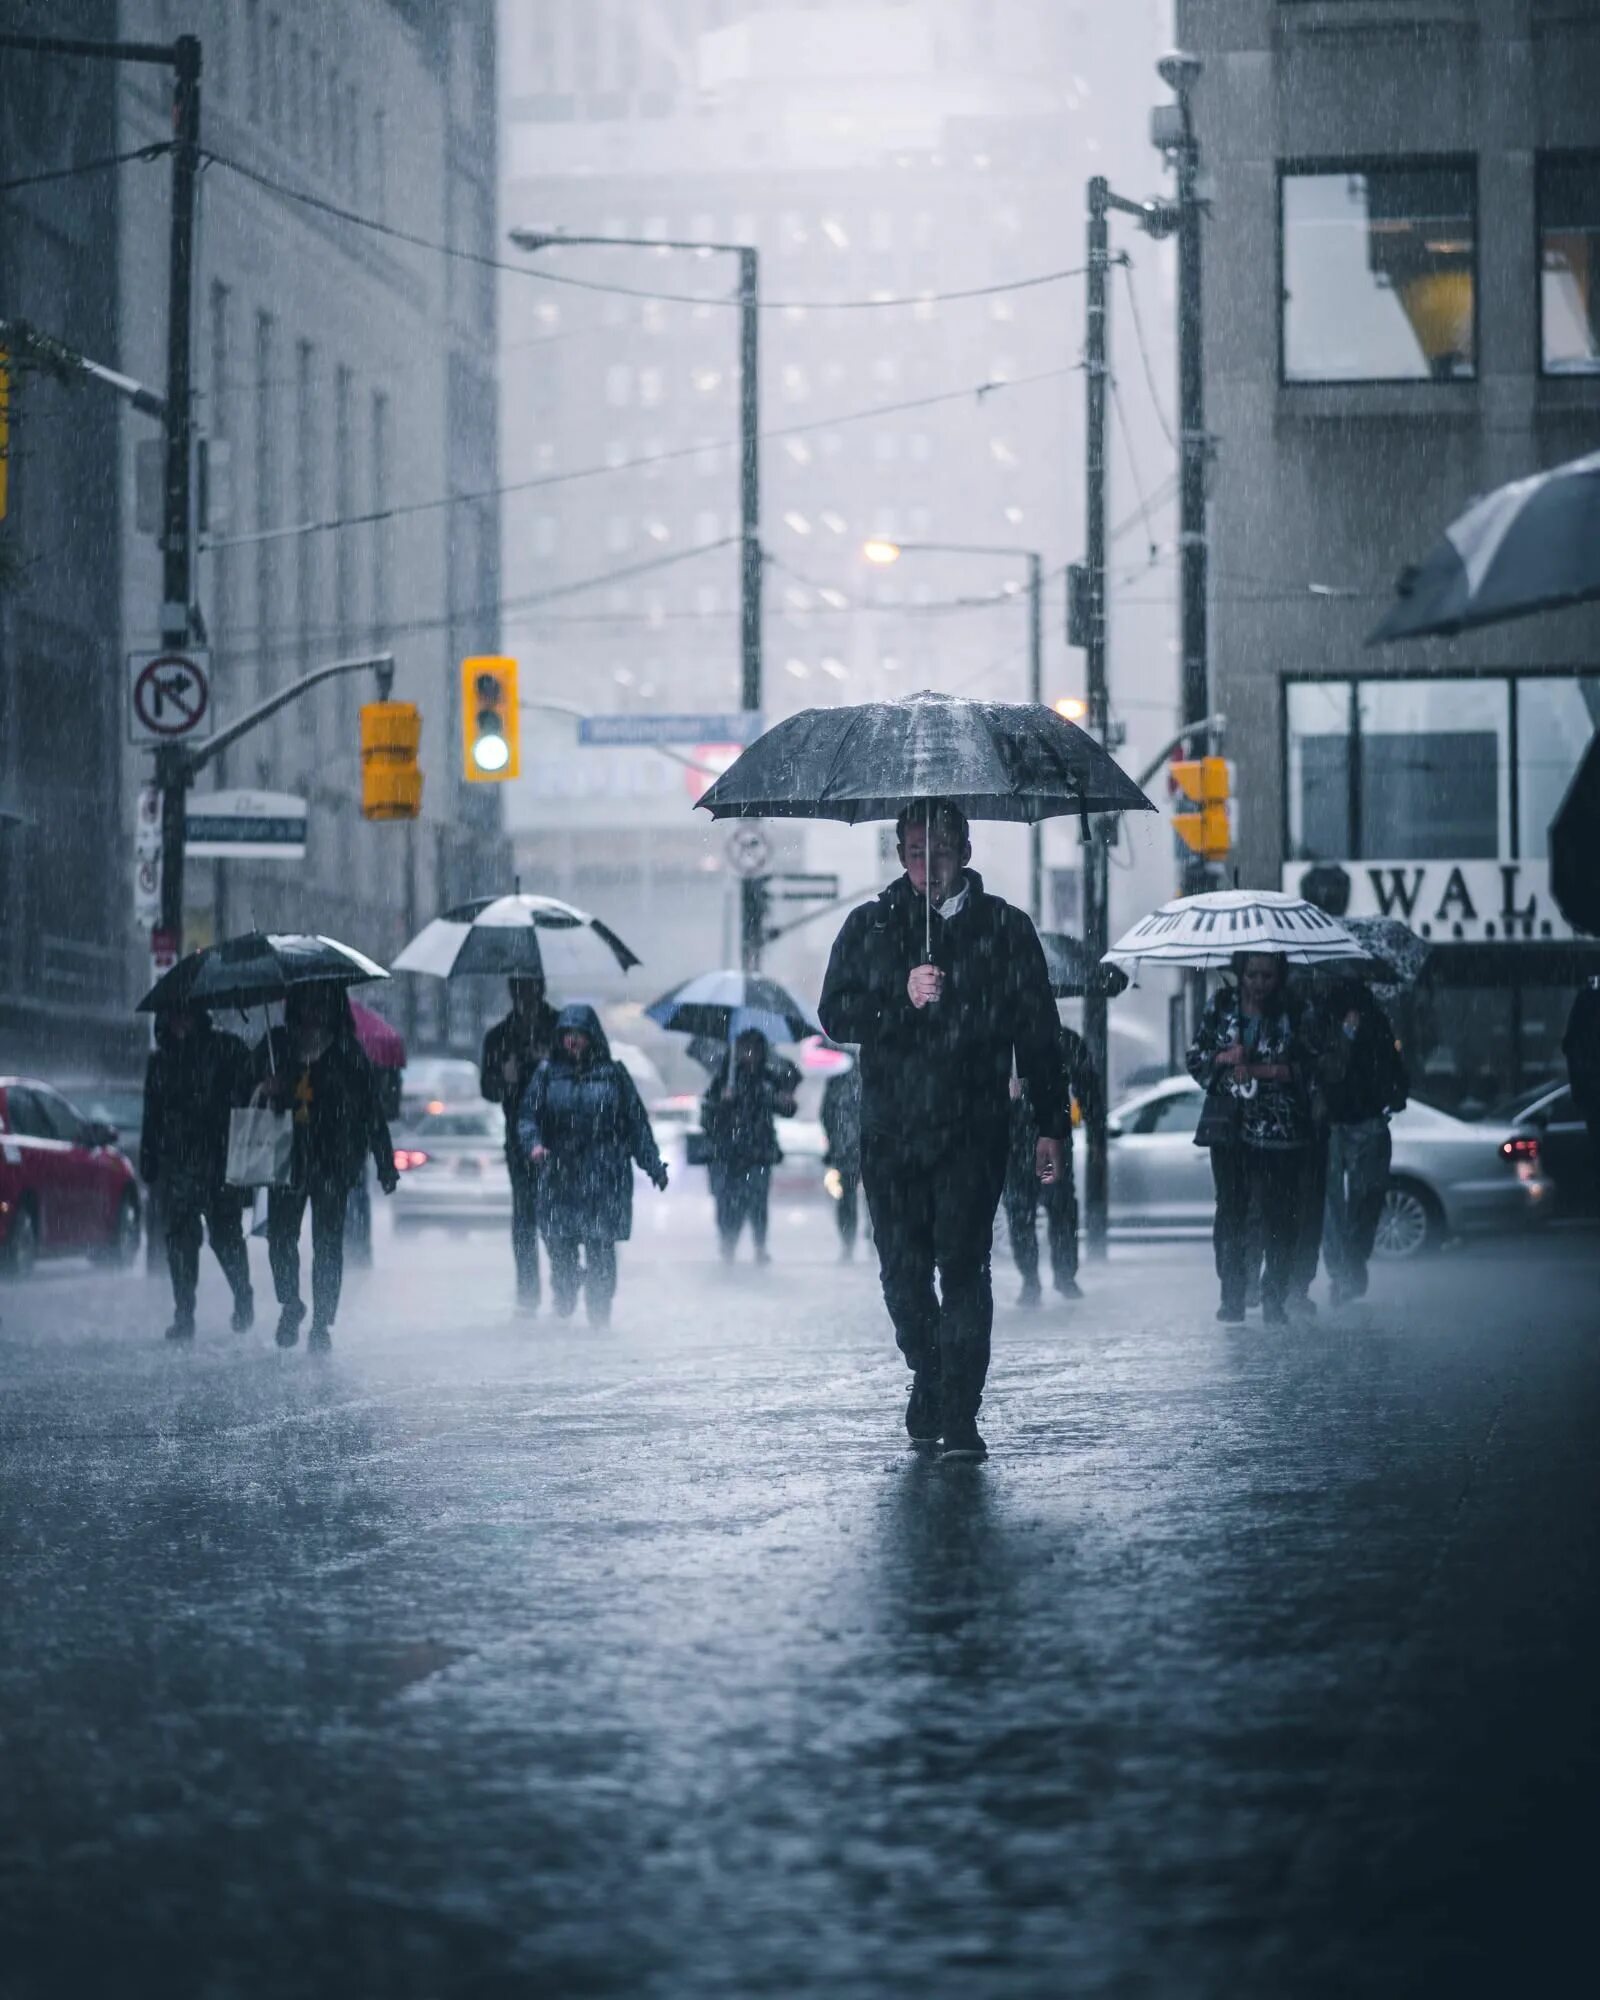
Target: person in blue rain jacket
583, 1127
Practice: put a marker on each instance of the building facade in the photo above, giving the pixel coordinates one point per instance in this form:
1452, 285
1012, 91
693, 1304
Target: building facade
1403, 310
868, 153
345, 389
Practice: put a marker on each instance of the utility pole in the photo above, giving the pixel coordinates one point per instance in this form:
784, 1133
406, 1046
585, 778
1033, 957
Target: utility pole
752, 890
177, 527
1096, 876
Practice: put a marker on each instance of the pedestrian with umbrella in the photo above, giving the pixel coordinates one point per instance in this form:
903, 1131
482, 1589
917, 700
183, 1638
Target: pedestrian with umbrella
583, 1128
523, 939
195, 1075
749, 1091
943, 985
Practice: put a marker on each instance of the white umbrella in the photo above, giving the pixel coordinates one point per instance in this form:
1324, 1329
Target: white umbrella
516, 937
1199, 931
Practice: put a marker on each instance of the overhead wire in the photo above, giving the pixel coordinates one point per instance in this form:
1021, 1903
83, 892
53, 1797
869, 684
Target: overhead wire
1144, 351
81, 167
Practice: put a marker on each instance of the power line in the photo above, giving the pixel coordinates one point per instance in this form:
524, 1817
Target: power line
481, 257
1144, 352
978, 390
151, 152
1133, 462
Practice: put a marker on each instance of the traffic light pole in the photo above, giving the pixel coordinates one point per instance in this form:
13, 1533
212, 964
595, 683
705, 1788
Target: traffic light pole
752, 890
1096, 875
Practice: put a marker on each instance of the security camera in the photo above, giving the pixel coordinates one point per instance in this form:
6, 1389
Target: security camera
1178, 70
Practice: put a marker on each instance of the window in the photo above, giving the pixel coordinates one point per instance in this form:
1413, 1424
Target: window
619, 384
1174, 1116
1556, 717
1319, 770
1378, 273
1432, 759
619, 533
1569, 282
651, 387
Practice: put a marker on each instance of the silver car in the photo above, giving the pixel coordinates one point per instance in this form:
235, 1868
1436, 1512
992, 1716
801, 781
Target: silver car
1447, 1177
453, 1174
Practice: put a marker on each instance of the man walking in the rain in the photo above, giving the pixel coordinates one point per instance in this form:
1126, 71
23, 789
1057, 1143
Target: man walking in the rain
512, 1050
1023, 1189
938, 1029
195, 1076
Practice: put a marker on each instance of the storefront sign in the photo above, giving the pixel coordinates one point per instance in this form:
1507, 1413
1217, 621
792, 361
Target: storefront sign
1447, 902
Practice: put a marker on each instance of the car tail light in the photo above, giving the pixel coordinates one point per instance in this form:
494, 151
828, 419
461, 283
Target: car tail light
407, 1157
1522, 1149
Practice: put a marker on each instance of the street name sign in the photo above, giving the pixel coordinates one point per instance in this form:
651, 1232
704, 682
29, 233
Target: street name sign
608, 732
245, 826
169, 697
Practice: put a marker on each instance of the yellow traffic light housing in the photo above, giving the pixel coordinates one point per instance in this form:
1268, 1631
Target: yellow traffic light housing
491, 744
1206, 782
391, 782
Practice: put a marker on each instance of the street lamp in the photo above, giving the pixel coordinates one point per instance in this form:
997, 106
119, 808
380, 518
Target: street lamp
882, 551
534, 240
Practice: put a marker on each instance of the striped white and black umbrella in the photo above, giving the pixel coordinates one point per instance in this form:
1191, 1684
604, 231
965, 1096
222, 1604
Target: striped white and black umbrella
516, 937
721, 1005
1530, 546
1200, 931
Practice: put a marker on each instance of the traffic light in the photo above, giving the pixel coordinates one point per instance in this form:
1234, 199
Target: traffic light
391, 783
491, 747
1206, 782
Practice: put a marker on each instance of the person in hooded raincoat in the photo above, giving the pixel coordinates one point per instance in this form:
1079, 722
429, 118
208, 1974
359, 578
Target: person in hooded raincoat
583, 1127
750, 1090
196, 1074
314, 1067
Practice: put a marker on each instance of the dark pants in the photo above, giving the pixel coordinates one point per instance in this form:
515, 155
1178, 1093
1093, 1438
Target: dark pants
1358, 1176
1313, 1200
525, 1229
933, 1212
286, 1208
598, 1277
1024, 1193
847, 1209
741, 1194
220, 1209
1273, 1179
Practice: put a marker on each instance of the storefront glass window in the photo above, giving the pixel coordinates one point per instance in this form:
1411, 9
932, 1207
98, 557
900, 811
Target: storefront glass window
1319, 771
1379, 271
1569, 263
1432, 780
1556, 717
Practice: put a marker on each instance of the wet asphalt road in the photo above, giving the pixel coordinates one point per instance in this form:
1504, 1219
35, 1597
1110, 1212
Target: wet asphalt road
487, 1657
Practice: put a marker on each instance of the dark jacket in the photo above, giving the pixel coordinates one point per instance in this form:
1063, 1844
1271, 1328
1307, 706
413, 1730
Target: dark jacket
592, 1124
338, 1109
841, 1120
1273, 1117
528, 1041
1079, 1076
928, 1074
191, 1083
1581, 1047
741, 1130
1374, 1080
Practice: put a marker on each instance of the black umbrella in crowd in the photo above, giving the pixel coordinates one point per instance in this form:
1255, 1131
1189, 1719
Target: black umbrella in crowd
1526, 547
256, 969
1066, 959
723, 1004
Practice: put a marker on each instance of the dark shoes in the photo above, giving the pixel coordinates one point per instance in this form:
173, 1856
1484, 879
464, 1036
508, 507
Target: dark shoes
1030, 1295
1231, 1315
1069, 1288
1273, 1314
1300, 1307
289, 1320
961, 1440
922, 1410
182, 1327
244, 1314
320, 1338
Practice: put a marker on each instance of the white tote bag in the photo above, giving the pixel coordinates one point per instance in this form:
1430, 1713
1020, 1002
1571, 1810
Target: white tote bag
260, 1147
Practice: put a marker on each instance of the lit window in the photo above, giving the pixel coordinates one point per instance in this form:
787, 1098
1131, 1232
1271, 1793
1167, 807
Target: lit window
707, 380
833, 521
1003, 368
706, 602
1014, 516
886, 369
1002, 311
834, 599
616, 452
548, 313
796, 598
919, 447
655, 611
835, 669
798, 668
921, 521
797, 522
831, 444
924, 310
619, 384
651, 383
619, 534
922, 229
889, 663
1569, 264
703, 228
658, 531
880, 229
835, 232
652, 315
1001, 452
798, 450
1379, 274
885, 447
795, 386
655, 227
706, 456
707, 526
792, 230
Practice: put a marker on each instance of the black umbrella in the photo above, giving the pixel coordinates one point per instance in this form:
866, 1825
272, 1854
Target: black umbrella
1067, 961
1575, 846
723, 1004
1529, 546
257, 968
995, 760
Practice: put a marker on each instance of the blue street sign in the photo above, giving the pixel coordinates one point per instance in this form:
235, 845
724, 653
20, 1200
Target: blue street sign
606, 732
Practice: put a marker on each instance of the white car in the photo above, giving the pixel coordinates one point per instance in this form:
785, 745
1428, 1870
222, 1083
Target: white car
1447, 1177
453, 1173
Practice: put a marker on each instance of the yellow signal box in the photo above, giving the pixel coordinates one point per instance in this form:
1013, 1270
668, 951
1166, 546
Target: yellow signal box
491, 738
1206, 782
391, 781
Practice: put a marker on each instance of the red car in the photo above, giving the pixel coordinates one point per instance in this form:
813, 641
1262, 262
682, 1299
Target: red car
65, 1190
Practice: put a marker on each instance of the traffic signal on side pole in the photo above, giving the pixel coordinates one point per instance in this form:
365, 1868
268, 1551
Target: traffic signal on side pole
391, 782
490, 733
1207, 783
